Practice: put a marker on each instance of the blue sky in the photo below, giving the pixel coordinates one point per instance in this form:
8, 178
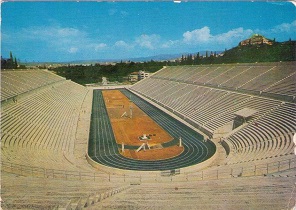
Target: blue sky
68, 31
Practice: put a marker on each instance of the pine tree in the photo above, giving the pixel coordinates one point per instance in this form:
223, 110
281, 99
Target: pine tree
10, 62
197, 60
189, 59
10, 55
15, 63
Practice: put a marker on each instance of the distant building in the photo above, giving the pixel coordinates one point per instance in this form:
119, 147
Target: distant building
133, 77
137, 76
143, 75
256, 39
104, 81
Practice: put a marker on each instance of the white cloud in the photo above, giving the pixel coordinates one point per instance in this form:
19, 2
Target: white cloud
66, 32
204, 36
70, 40
170, 43
197, 35
148, 41
281, 32
53, 33
122, 44
234, 34
285, 28
100, 46
66, 39
201, 37
73, 50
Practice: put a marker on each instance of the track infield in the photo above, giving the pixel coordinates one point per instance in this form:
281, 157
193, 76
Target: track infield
129, 123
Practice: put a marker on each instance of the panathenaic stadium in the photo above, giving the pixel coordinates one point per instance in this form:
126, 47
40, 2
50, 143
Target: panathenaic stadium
187, 137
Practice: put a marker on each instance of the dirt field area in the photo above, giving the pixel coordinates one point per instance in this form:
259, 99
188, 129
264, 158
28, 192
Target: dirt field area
128, 126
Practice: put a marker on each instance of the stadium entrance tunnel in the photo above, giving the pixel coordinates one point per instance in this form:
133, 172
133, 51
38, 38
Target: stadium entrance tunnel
104, 151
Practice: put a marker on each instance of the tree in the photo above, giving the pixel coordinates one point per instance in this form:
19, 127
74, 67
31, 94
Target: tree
197, 58
15, 63
10, 62
182, 59
189, 59
10, 55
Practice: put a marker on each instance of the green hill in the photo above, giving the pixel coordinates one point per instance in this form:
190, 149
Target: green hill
278, 51
257, 48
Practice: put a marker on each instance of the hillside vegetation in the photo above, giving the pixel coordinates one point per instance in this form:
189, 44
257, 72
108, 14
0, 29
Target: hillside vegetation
278, 51
114, 72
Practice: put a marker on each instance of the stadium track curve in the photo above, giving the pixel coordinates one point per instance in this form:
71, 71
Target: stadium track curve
104, 150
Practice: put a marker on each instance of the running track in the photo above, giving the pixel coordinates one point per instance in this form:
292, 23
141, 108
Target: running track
104, 149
